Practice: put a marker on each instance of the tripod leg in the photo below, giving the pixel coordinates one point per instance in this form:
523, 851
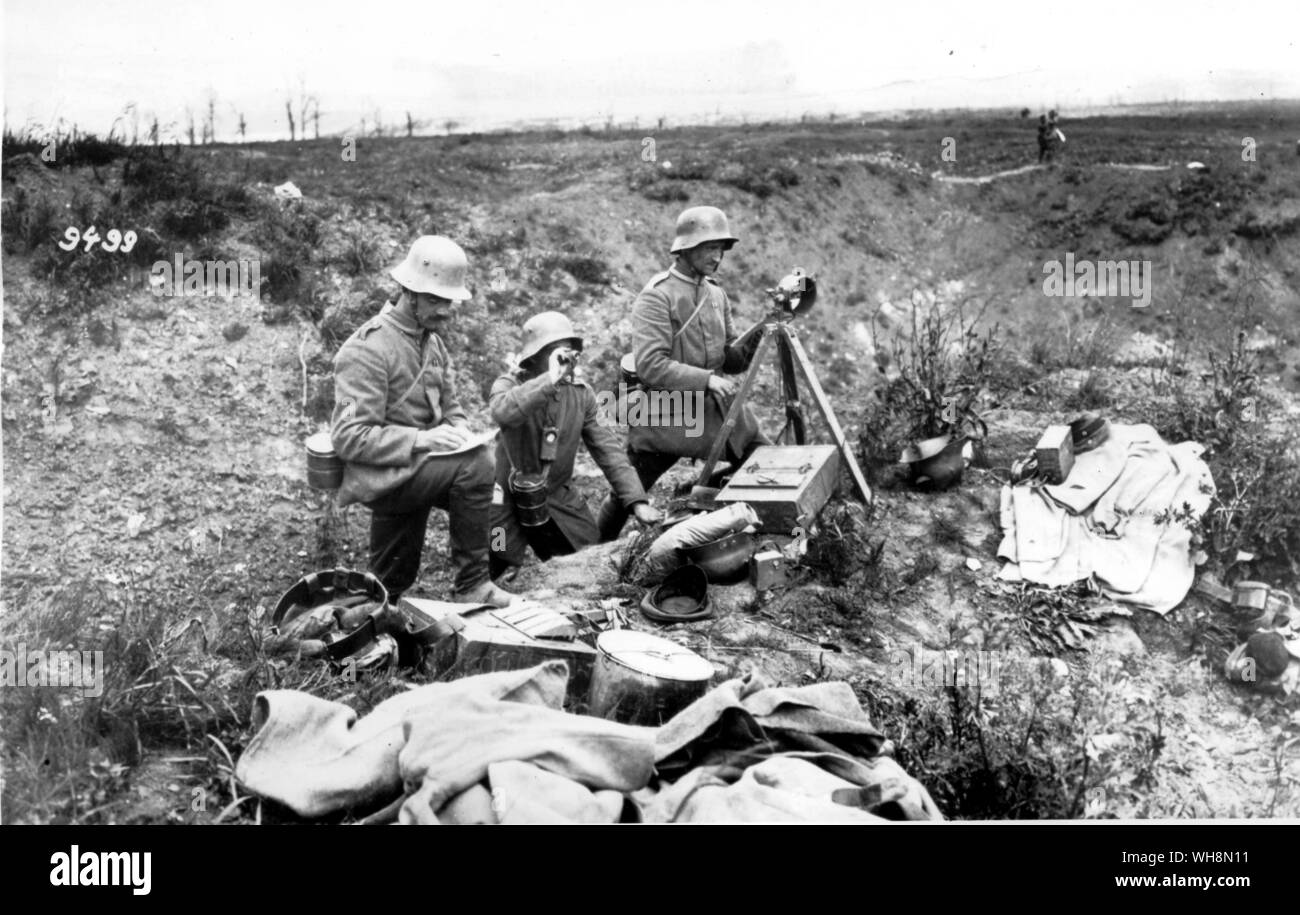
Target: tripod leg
823, 405
733, 413
794, 418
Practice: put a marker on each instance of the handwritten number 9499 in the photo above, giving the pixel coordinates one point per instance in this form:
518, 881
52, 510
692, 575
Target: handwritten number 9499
113, 240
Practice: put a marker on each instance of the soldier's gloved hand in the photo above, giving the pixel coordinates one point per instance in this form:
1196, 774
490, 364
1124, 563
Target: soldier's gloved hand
646, 513
440, 438
722, 387
561, 363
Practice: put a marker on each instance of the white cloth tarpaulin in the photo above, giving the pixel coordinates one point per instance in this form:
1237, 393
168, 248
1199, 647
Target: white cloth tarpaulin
1121, 517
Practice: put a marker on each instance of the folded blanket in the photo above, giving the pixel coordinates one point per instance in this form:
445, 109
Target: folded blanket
1120, 517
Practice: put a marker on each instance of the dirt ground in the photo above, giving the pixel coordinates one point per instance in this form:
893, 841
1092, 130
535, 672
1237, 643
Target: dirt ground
154, 471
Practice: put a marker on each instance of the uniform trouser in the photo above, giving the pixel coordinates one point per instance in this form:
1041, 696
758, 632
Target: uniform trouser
546, 540
462, 486
650, 466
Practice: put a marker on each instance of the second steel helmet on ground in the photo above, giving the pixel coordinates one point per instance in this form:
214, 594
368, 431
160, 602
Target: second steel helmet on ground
543, 329
434, 265
697, 225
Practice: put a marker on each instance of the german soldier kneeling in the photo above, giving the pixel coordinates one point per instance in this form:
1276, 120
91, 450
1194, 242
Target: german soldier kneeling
544, 414
396, 410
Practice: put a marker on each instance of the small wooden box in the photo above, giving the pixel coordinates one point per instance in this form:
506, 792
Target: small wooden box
1055, 451
787, 485
768, 569
487, 640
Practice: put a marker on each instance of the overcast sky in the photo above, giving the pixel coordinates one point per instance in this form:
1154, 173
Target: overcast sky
491, 62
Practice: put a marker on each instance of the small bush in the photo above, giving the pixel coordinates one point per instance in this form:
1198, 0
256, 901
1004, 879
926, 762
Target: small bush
943, 363
1147, 222
193, 219
31, 220
361, 252
944, 367
154, 175
582, 267
1256, 507
760, 181
1092, 394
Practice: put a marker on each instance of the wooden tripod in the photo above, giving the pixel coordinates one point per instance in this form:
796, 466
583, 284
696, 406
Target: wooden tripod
789, 353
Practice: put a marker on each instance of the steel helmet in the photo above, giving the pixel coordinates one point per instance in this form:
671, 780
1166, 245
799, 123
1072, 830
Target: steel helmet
435, 265
543, 329
697, 225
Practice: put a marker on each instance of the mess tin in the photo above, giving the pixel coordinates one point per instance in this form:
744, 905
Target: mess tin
324, 469
1250, 595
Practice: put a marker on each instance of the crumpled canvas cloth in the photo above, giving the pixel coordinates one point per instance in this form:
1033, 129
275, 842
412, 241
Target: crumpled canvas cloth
316, 757
497, 748
750, 715
449, 748
793, 788
1110, 520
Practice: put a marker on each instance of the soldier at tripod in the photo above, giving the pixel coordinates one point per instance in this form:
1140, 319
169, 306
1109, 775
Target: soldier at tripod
685, 341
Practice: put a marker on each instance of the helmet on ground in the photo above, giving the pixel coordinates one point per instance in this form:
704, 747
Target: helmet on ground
543, 329
1270, 654
697, 225
434, 265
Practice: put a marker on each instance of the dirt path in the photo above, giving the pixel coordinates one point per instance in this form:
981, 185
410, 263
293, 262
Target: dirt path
1027, 169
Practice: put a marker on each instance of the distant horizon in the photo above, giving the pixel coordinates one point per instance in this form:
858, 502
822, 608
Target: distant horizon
542, 123
582, 62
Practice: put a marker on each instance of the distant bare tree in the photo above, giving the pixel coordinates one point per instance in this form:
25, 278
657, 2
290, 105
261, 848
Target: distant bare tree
189, 117
210, 129
288, 110
379, 124
153, 131
410, 125
450, 125
305, 104
242, 127
315, 115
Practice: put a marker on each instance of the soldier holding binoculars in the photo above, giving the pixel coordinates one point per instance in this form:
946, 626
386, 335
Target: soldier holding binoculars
544, 414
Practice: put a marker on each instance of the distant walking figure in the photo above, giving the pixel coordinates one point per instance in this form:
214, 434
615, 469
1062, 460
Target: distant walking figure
1055, 138
1044, 145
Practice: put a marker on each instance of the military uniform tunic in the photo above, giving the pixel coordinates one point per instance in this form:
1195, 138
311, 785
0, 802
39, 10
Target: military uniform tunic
524, 407
393, 379
683, 333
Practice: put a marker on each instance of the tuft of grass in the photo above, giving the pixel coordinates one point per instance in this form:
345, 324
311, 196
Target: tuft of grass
1092, 394
946, 531
361, 252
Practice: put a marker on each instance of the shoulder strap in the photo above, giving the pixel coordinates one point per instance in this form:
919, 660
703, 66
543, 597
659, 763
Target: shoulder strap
424, 367
699, 305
